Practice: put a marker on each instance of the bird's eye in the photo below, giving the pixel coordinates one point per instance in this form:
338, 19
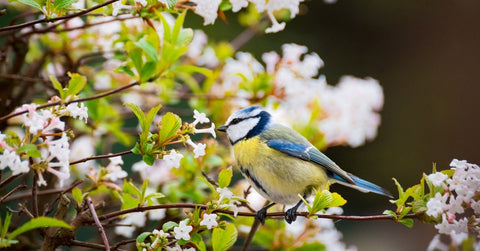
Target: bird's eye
235, 121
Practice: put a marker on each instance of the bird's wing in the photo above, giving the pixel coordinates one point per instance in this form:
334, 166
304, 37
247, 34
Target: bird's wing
309, 153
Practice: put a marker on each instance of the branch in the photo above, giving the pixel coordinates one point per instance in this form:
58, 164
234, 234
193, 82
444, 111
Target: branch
44, 192
100, 157
11, 192
124, 242
97, 222
85, 244
44, 20
247, 214
101, 95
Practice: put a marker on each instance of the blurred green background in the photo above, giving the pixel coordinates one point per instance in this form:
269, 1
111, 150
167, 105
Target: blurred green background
426, 55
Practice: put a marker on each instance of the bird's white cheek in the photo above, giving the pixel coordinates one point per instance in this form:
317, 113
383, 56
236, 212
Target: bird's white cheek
240, 130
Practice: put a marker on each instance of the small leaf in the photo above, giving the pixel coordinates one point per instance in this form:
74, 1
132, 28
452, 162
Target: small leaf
225, 177
185, 37
141, 238
136, 149
148, 71
131, 189
170, 124
196, 239
322, 200
169, 225
337, 200
407, 222
77, 195
57, 86
38, 223
177, 27
391, 213
315, 246
32, 3
62, 4
151, 114
154, 196
140, 115
5, 225
148, 49
149, 159
30, 150
76, 84
136, 57
223, 239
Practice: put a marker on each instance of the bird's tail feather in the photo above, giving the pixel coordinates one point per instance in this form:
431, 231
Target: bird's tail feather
362, 185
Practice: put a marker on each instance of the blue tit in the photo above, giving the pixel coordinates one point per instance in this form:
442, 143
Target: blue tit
280, 163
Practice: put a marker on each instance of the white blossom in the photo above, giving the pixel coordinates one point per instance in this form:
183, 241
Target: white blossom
437, 178
435, 205
437, 245
224, 194
198, 149
115, 170
238, 4
182, 231
157, 174
78, 111
210, 130
172, 159
207, 9
209, 220
199, 117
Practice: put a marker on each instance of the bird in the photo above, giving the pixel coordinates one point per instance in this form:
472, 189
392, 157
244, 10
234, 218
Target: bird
281, 164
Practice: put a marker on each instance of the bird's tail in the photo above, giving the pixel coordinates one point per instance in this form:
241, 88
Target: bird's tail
362, 185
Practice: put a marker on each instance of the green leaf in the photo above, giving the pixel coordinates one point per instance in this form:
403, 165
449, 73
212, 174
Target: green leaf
171, 3
225, 177
170, 124
149, 159
77, 195
169, 225
128, 201
148, 71
141, 238
32, 3
196, 239
136, 149
151, 114
322, 200
130, 188
140, 115
136, 57
5, 225
30, 150
315, 246
57, 86
185, 37
391, 213
38, 223
154, 196
76, 84
149, 49
337, 200
223, 239
62, 4
407, 222
177, 27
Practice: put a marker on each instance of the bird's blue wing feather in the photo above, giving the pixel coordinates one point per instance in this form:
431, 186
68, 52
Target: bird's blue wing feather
366, 185
309, 153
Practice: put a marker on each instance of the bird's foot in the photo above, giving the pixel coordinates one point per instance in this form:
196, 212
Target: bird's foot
262, 215
290, 215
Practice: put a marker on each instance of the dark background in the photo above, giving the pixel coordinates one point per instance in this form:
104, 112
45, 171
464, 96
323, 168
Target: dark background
426, 55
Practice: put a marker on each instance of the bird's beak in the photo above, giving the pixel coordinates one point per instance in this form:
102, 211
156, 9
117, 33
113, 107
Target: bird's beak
222, 128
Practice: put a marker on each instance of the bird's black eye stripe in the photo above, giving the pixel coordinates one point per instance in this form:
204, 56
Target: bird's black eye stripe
235, 121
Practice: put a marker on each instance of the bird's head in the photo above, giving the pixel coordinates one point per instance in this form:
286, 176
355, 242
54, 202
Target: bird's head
246, 123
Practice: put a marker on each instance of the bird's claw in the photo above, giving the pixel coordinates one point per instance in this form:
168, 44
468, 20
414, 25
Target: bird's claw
290, 215
262, 215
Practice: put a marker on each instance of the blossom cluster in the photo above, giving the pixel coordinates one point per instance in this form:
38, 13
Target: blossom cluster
346, 114
208, 10
45, 140
456, 205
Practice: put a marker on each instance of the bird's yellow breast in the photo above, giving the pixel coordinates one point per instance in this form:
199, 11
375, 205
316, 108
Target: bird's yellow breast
277, 176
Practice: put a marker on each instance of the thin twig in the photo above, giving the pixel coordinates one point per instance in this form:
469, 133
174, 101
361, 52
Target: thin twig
44, 20
11, 192
124, 242
253, 230
35, 194
97, 222
100, 157
101, 95
44, 192
86, 244
248, 214
9, 179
